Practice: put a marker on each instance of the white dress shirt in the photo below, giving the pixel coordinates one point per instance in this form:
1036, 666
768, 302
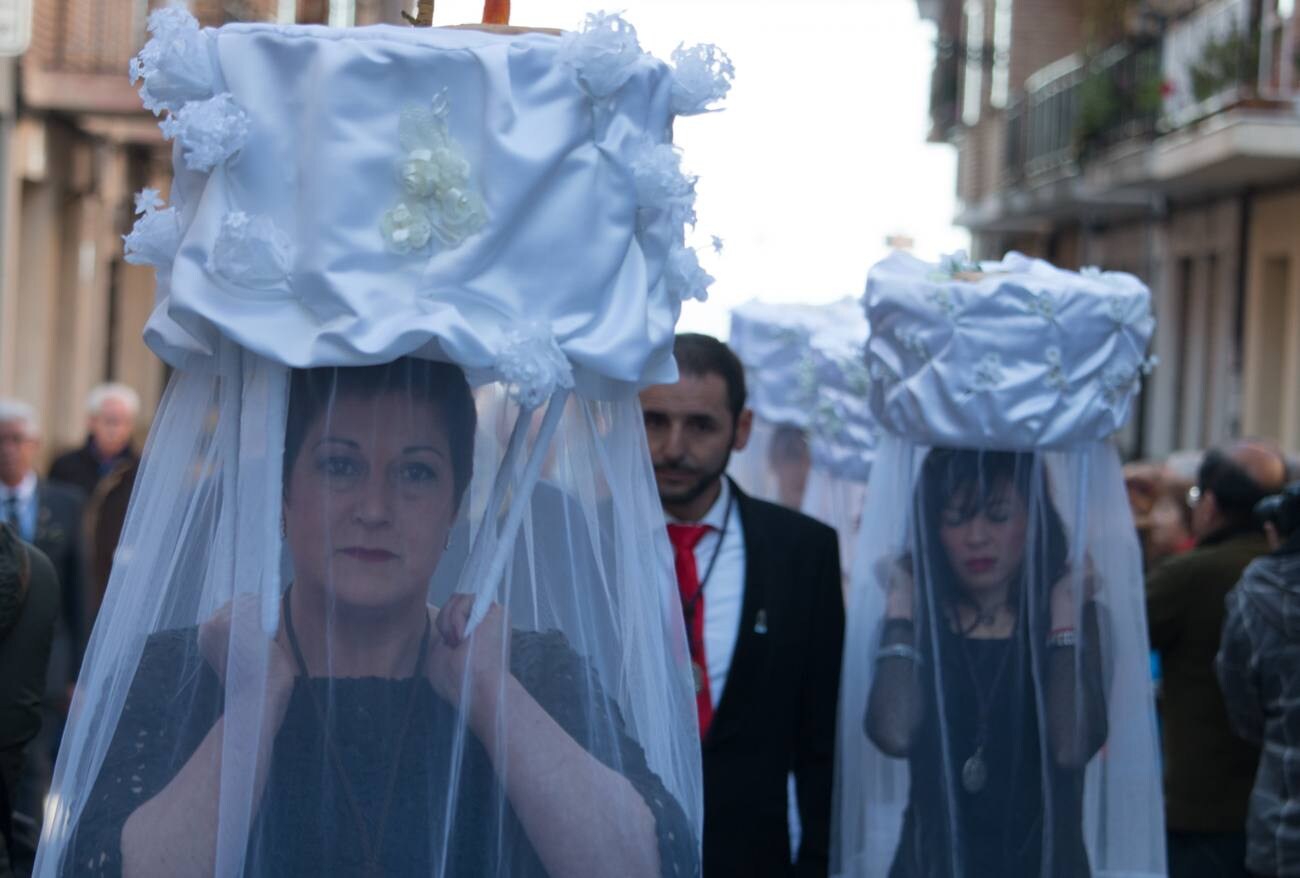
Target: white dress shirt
724, 590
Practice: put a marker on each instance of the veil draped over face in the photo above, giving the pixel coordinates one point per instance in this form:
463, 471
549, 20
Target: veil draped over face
995, 712
393, 595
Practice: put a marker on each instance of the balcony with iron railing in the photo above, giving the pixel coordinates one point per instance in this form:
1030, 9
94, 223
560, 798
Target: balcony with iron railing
1219, 58
1078, 108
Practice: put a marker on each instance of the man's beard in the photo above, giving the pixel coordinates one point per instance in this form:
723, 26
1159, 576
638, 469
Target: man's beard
695, 491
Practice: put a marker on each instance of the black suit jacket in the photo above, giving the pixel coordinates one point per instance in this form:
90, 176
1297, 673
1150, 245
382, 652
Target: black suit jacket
777, 712
58, 535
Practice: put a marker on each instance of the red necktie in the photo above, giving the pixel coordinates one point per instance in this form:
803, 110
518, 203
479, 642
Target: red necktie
685, 537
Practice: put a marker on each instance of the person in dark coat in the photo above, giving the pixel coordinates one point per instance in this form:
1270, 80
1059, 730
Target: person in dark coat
1208, 769
47, 515
1259, 672
761, 598
104, 469
29, 608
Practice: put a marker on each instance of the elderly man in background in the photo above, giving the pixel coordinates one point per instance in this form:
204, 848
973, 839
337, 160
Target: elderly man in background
47, 515
104, 468
1208, 769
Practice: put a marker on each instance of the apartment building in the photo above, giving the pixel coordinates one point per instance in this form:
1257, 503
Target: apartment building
1160, 138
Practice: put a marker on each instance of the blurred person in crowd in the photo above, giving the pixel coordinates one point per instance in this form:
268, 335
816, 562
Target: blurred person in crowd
111, 413
29, 608
1208, 770
1157, 495
48, 515
104, 469
760, 588
1259, 672
790, 459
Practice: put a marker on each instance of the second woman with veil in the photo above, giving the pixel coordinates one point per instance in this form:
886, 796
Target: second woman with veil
995, 720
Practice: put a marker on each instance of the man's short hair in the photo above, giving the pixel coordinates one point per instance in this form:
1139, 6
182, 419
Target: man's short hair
14, 411
104, 392
1235, 491
699, 355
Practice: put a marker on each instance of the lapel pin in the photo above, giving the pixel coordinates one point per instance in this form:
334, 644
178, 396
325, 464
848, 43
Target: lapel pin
760, 622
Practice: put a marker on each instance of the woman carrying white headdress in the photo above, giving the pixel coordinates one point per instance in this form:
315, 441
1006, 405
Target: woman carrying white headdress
393, 596
995, 716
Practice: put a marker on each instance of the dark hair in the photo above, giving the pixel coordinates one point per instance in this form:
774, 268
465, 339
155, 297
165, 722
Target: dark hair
971, 476
1282, 511
704, 355
1235, 493
443, 385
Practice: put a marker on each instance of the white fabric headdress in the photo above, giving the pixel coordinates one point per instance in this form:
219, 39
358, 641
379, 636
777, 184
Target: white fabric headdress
410, 281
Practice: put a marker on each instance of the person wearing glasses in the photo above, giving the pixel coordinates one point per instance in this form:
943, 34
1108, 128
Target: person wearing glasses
1208, 770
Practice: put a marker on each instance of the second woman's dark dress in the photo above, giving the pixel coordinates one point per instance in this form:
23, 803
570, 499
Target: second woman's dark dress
1029, 813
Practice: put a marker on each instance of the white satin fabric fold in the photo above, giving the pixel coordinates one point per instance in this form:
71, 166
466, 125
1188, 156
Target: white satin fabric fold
561, 247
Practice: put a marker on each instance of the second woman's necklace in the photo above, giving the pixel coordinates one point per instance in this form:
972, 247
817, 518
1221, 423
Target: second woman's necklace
975, 771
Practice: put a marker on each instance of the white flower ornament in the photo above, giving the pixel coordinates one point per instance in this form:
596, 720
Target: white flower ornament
532, 365
174, 64
156, 236
208, 131
701, 75
684, 276
438, 195
603, 53
250, 251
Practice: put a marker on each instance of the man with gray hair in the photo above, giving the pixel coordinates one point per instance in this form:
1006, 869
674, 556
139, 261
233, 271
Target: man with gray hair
47, 515
111, 413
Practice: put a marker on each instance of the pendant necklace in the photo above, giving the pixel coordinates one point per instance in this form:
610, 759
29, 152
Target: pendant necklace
975, 771
371, 848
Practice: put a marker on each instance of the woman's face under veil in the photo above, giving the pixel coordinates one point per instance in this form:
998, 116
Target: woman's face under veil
370, 500
983, 534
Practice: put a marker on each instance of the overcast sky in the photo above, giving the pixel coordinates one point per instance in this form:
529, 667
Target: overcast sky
820, 153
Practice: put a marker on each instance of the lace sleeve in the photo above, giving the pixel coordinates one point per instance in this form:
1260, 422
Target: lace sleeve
155, 737
1076, 696
552, 673
894, 707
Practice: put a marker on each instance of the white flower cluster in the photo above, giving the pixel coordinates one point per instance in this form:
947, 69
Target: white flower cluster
1056, 370
532, 365
702, 75
437, 195
156, 236
250, 252
603, 53
684, 276
174, 64
177, 77
209, 131
988, 371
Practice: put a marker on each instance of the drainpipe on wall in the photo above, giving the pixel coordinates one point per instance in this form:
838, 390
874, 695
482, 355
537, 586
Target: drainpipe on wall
1239, 317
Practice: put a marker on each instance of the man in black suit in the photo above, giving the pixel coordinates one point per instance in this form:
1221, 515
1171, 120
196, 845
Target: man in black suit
760, 588
47, 515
